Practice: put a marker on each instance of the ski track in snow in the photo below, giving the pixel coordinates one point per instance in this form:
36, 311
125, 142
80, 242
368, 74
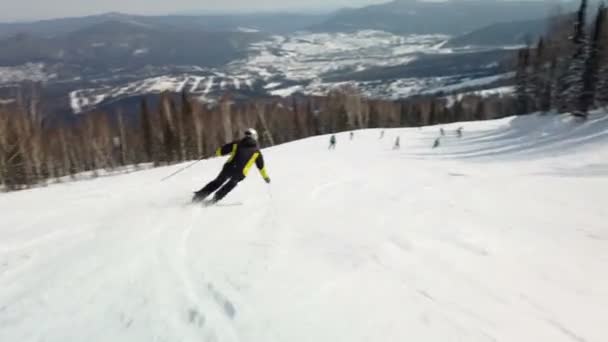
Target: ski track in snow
209, 85
182, 85
499, 235
196, 84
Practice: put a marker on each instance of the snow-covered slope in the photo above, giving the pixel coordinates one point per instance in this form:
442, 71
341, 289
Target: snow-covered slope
500, 235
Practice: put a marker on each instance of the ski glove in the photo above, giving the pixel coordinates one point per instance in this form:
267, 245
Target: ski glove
267, 179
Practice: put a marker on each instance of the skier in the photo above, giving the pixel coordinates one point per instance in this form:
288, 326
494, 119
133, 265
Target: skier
332, 142
397, 144
352, 135
243, 154
459, 132
382, 134
437, 142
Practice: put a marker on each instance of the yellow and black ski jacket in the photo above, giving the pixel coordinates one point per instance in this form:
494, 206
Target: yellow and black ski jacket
243, 154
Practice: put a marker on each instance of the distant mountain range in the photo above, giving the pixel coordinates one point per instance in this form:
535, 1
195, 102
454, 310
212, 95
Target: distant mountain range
271, 22
116, 40
124, 44
450, 17
481, 63
453, 17
107, 60
122, 40
502, 34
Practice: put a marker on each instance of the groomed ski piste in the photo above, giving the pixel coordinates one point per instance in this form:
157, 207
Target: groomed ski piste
501, 235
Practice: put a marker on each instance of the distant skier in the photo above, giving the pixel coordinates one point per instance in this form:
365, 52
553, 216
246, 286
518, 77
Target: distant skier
442, 131
459, 132
243, 154
332, 142
382, 134
352, 135
397, 144
437, 142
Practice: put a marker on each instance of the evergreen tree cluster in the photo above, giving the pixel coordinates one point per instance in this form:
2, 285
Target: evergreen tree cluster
181, 128
566, 71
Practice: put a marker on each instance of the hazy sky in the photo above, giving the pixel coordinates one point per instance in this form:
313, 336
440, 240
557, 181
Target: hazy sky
11, 10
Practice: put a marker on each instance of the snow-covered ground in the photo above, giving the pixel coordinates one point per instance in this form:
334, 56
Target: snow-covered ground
473, 82
201, 85
286, 64
500, 235
34, 72
406, 87
306, 56
281, 65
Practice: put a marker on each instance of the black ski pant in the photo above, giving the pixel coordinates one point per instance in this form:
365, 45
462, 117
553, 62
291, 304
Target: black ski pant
226, 181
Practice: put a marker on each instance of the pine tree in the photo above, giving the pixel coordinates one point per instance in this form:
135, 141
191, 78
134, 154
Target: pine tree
458, 110
601, 94
558, 86
146, 130
298, 132
312, 118
521, 81
573, 84
480, 110
590, 75
188, 129
170, 141
432, 115
124, 157
374, 117
544, 99
343, 123
559, 46
403, 116
536, 80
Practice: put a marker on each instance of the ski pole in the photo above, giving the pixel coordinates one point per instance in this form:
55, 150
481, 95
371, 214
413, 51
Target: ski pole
182, 169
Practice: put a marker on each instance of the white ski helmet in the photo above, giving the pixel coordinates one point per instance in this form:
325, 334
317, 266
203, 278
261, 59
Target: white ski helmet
252, 133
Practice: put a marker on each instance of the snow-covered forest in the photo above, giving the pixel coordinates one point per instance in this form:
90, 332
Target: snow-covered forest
566, 71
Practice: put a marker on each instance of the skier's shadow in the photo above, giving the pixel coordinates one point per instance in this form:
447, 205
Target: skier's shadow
235, 204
